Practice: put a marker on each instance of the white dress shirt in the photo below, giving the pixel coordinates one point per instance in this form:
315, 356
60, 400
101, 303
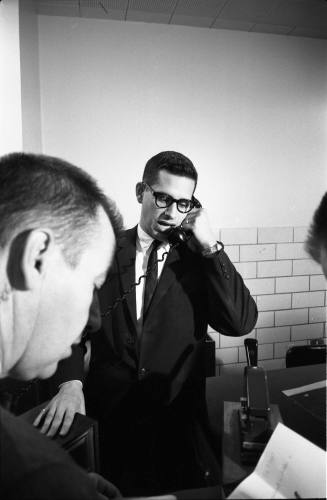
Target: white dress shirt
143, 244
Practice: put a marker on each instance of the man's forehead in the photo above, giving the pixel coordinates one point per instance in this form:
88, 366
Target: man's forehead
168, 179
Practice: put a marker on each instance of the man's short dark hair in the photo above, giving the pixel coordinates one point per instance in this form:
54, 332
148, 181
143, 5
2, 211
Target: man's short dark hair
317, 236
38, 190
171, 161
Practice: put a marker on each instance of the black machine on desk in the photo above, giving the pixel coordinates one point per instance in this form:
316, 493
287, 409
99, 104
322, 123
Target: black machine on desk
257, 418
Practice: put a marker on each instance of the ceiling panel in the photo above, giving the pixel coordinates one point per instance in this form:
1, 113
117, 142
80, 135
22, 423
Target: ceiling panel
226, 24
148, 17
201, 8
306, 13
312, 33
201, 22
69, 9
287, 17
163, 6
268, 28
248, 10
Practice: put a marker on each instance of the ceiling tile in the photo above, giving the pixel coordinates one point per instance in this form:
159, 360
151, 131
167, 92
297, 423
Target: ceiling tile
203, 22
101, 13
163, 6
309, 13
68, 9
232, 25
147, 17
114, 4
201, 8
270, 28
307, 32
248, 10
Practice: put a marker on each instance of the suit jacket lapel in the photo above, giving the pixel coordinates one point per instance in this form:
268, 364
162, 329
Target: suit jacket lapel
126, 253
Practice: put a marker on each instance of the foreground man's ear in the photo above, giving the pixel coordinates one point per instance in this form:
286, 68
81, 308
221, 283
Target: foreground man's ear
28, 256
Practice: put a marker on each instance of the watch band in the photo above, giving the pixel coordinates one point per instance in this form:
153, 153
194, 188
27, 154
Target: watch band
213, 249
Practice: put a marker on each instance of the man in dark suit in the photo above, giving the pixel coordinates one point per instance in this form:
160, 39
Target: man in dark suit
146, 383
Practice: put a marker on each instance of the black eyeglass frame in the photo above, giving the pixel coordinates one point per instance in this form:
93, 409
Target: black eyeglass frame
155, 194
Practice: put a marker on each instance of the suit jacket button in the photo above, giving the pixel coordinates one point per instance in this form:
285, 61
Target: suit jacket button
227, 276
143, 372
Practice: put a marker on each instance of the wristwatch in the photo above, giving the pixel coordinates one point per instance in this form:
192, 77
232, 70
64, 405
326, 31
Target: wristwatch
216, 248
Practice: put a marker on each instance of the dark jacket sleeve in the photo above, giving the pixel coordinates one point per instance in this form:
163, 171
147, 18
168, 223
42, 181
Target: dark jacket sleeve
58, 482
231, 309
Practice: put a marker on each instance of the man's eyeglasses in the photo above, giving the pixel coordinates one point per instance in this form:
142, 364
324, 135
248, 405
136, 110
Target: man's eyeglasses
163, 200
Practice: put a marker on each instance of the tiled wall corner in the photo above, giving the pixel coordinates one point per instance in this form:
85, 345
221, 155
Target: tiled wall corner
288, 287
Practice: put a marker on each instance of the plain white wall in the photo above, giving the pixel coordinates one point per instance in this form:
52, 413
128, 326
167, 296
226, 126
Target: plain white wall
11, 138
20, 115
30, 77
249, 109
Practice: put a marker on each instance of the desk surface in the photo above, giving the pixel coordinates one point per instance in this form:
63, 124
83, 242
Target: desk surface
230, 388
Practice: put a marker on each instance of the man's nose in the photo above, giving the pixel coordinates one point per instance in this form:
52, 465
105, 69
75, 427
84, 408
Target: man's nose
172, 210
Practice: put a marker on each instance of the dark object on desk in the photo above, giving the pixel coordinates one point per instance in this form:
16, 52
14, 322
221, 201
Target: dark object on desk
301, 355
255, 412
81, 442
307, 410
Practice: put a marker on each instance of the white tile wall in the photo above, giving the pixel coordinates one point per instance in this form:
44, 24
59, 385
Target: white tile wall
247, 269
261, 286
226, 341
308, 299
275, 234
273, 268
300, 332
291, 251
318, 282
305, 266
257, 252
291, 317
265, 319
276, 334
292, 284
318, 314
239, 236
228, 355
274, 302
288, 287
233, 252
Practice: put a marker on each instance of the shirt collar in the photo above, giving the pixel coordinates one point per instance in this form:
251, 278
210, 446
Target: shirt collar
144, 240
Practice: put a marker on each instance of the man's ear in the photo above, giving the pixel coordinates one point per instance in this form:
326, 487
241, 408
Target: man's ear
28, 258
140, 187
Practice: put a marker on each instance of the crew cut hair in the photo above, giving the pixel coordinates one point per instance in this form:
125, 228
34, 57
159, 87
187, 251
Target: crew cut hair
317, 235
43, 191
171, 161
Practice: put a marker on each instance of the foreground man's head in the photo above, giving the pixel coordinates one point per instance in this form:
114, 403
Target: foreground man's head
317, 239
57, 237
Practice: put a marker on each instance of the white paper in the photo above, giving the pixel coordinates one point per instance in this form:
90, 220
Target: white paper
290, 467
305, 388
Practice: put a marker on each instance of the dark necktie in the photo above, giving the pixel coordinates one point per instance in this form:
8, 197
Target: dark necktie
152, 277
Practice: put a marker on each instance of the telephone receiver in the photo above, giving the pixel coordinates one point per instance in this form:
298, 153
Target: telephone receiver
178, 235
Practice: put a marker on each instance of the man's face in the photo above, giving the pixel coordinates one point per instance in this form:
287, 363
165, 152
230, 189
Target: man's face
157, 221
62, 307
